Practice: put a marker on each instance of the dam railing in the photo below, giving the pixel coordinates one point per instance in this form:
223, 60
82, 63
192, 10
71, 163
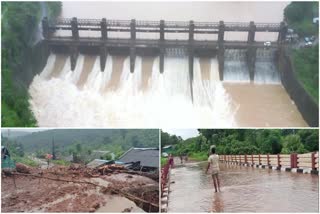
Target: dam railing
132, 46
287, 162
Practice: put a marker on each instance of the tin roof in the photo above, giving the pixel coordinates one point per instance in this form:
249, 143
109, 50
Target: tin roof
148, 157
96, 163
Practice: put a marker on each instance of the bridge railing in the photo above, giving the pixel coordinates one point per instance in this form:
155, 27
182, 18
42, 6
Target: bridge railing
300, 161
169, 24
164, 175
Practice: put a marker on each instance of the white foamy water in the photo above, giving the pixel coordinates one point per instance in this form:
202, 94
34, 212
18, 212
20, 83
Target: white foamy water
235, 66
58, 101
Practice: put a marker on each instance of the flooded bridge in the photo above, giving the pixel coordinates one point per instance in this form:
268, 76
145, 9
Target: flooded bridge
244, 189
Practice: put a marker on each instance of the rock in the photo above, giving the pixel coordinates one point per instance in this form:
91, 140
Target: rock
96, 205
127, 210
22, 168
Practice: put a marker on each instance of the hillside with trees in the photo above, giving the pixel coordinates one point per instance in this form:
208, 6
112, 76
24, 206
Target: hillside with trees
80, 142
19, 23
245, 141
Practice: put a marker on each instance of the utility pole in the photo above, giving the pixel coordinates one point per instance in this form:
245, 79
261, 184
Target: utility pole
53, 150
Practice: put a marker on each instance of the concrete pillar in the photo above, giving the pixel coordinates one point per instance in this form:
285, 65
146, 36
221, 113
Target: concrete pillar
161, 59
73, 56
221, 48
161, 30
191, 71
313, 161
45, 27
191, 31
103, 57
132, 46
251, 32
132, 58
104, 32
161, 45
294, 160
221, 33
74, 28
191, 39
282, 32
133, 28
221, 61
251, 61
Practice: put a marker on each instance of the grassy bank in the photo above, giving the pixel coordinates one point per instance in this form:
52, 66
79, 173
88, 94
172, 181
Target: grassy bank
25, 160
19, 22
306, 64
198, 156
163, 161
61, 162
299, 16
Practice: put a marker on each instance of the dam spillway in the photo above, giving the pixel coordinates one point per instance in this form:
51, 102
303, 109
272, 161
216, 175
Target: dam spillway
146, 98
128, 81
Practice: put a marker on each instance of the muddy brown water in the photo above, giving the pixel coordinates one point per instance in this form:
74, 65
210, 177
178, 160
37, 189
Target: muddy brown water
263, 106
58, 65
87, 68
243, 189
147, 64
117, 68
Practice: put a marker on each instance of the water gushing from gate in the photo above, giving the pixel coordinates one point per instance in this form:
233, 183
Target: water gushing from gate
114, 98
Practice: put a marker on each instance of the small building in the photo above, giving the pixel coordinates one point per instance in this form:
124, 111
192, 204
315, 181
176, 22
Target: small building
167, 149
147, 159
99, 154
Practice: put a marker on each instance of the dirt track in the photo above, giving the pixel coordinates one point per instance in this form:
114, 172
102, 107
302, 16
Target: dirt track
35, 194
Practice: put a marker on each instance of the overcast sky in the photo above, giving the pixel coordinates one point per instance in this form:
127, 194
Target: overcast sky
184, 133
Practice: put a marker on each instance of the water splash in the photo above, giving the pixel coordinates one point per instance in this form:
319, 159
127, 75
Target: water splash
59, 101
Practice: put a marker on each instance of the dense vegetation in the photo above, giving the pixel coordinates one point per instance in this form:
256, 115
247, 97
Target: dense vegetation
19, 22
246, 141
81, 142
306, 64
299, 16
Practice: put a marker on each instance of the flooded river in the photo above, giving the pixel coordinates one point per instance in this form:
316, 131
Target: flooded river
87, 97
244, 189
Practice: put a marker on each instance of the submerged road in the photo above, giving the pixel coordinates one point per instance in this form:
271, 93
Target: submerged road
244, 189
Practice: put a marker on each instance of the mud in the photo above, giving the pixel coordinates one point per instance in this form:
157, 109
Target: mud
86, 191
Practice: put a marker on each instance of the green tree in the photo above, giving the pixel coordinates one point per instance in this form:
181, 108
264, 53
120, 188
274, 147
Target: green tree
292, 144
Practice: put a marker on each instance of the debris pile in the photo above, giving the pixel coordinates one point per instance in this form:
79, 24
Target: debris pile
76, 188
